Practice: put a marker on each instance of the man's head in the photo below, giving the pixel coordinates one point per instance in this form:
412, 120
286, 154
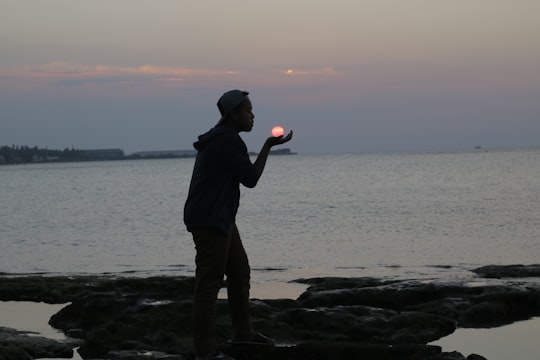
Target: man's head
236, 110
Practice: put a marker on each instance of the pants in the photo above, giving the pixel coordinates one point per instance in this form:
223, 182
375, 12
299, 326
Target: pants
217, 255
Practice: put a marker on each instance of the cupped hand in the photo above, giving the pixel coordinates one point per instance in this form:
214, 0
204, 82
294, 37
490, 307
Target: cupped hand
278, 140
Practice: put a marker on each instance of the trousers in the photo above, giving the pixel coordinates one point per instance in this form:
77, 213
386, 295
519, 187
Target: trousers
217, 255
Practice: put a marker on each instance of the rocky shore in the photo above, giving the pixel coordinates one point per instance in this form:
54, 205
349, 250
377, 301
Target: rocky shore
335, 318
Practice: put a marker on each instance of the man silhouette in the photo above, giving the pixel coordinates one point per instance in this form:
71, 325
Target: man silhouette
222, 164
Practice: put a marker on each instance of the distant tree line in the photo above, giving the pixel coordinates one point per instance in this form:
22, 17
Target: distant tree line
16, 154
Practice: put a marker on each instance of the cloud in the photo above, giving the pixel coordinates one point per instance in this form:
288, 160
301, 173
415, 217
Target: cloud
73, 74
61, 69
310, 72
68, 74
77, 81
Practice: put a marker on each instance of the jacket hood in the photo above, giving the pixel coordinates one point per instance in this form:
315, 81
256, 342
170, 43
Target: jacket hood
209, 136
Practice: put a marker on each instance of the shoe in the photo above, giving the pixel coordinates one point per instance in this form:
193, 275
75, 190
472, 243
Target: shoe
216, 356
220, 356
256, 339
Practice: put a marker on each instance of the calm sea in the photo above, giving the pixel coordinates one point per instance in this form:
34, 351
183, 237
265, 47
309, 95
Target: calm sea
405, 215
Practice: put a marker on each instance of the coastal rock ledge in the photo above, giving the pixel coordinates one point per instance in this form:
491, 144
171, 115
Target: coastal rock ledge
335, 318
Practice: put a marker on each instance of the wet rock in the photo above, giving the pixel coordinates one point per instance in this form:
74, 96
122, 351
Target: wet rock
141, 355
335, 318
19, 345
330, 350
480, 306
453, 355
386, 295
121, 323
63, 289
475, 357
508, 271
493, 306
366, 324
13, 352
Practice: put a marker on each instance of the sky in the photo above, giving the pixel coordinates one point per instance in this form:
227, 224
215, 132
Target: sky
347, 76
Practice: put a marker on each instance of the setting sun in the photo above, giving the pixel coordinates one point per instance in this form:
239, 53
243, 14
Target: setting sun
277, 131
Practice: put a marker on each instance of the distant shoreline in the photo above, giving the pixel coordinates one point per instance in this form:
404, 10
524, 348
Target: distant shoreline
25, 155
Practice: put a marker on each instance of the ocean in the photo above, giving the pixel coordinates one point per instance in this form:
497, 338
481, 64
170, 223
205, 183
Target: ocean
428, 216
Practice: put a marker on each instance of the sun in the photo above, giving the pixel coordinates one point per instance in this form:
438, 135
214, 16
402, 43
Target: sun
277, 131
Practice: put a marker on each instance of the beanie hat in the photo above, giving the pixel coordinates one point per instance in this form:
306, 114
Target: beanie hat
229, 101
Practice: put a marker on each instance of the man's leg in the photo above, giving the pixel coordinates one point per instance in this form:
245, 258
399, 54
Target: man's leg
212, 249
238, 277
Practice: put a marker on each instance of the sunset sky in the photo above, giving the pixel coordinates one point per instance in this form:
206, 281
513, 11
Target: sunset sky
346, 76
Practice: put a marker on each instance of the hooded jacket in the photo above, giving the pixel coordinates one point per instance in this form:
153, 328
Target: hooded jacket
221, 165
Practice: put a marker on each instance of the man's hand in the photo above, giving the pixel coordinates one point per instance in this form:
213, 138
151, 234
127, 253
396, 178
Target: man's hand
278, 140
263, 155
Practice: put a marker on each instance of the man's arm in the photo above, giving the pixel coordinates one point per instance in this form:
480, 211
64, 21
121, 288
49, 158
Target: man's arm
260, 162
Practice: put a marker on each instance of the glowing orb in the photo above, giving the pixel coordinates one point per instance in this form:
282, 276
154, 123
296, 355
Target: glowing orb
277, 131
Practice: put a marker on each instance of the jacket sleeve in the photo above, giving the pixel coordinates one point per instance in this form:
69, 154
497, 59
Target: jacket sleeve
237, 159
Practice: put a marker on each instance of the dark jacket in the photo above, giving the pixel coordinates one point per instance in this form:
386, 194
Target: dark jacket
222, 164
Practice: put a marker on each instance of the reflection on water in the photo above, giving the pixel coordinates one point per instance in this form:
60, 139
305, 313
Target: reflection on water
30, 316
515, 341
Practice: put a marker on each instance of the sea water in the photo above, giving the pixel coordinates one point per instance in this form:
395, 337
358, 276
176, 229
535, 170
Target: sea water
409, 215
